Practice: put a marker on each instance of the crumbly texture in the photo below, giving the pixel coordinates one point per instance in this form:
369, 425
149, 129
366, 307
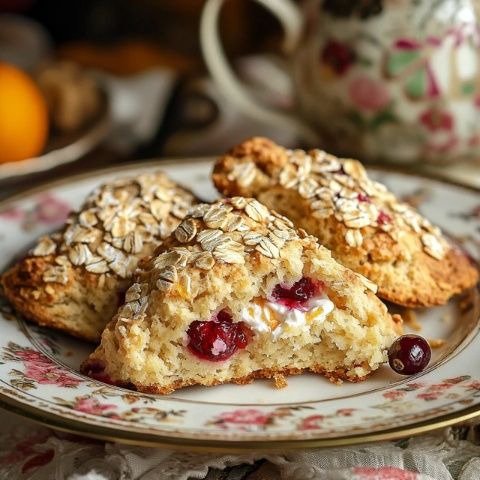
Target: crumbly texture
223, 256
74, 280
359, 220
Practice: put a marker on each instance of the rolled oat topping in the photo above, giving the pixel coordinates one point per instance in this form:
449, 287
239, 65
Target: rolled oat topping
225, 232
341, 188
116, 222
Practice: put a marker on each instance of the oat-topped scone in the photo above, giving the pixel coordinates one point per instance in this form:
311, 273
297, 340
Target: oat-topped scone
236, 294
365, 226
75, 279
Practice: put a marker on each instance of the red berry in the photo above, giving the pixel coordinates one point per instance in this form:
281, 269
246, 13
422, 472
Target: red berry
409, 354
217, 339
363, 197
383, 218
296, 295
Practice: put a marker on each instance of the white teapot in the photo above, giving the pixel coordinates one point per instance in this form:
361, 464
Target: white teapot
395, 80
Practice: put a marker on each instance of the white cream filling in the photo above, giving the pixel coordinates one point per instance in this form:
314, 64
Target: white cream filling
282, 321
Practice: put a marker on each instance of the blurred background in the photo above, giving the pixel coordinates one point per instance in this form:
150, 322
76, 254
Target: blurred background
145, 57
98, 82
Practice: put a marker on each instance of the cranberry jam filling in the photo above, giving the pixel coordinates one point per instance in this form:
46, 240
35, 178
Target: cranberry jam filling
298, 294
96, 370
217, 339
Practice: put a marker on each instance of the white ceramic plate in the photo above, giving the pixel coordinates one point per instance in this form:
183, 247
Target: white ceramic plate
39, 368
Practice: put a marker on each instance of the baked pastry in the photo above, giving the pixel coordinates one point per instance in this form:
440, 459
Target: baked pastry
75, 279
359, 220
236, 294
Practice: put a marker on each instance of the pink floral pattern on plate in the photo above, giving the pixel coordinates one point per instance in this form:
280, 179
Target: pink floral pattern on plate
94, 407
38, 369
38, 372
51, 210
48, 210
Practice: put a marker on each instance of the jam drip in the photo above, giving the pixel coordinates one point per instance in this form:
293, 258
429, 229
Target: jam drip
217, 339
298, 294
96, 370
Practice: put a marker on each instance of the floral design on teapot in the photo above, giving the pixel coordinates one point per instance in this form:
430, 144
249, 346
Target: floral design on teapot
396, 80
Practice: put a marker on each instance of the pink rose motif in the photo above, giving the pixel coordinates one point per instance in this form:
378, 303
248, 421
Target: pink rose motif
437, 120
338, 56
41, 369
245, 417
51, 376
313, 422
50, 209
94, 407
32, 356
394, 395
415, 386
54, 376
474, 385
383, 473
439, 387
441, 126
367, 94
12, 214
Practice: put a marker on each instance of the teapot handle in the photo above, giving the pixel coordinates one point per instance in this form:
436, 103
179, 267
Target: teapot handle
290, 17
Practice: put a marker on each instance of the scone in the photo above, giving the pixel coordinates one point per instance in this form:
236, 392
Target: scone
359, 220
236, 294
74, 280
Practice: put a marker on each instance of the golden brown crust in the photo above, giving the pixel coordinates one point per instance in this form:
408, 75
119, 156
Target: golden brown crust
455, 265
73, 307
269, 155
337, 376
75, 279
365, 226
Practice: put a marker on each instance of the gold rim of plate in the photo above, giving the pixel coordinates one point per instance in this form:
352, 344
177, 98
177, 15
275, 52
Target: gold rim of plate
59, 422
224, 445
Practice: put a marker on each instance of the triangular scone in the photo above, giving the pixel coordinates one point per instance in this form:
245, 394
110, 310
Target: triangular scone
365, 226
75, 279
215, 304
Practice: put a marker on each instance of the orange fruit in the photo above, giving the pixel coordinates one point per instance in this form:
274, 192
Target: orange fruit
23, 116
